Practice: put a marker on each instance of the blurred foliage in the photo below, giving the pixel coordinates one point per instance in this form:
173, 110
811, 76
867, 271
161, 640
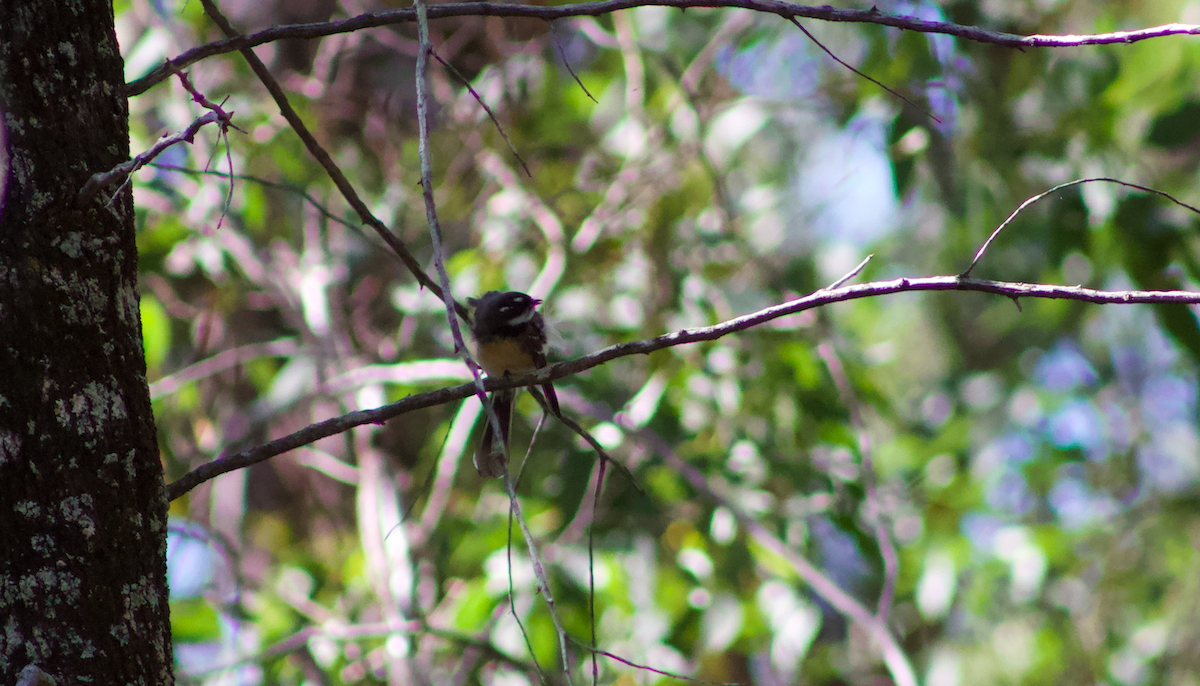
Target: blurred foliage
1036, 466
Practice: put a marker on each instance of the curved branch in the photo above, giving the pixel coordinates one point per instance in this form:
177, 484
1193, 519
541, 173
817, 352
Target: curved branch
826, 296
782, 9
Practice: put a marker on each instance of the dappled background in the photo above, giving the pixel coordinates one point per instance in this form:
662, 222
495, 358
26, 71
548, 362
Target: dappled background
1031, 468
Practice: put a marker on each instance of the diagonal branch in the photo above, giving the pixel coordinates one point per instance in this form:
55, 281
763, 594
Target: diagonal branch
323, 158
592, 9
283, 347
479, 99
839, 60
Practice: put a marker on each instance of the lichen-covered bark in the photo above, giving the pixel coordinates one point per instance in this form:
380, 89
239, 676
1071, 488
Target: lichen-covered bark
82, 505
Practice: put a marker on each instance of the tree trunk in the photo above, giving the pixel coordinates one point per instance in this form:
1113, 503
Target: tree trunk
83, 593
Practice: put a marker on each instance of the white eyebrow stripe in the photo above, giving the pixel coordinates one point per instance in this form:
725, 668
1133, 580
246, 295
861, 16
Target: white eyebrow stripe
522, 318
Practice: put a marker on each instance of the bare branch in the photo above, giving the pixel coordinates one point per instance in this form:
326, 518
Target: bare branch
286, 187
837, 59
539, 570
592, 9
647, 668
123, 171
567, 63
1039, 196
820, 298
851, 274
592, 567
435, 229
586, 436
484, 105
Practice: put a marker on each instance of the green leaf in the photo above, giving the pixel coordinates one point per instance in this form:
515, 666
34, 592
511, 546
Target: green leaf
156, 332
194, 620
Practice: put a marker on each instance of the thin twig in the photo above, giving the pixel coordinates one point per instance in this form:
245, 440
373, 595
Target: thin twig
602, 7
1076, 182
485, 107
226, 124
837, 59
850, 274
596, 651
539, 570
512, 600
586, 436
297, 190
560, 370
124, 170
887, 549
515, 513
592, 569
567, 63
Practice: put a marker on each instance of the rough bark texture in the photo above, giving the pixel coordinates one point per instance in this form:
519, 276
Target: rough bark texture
82, 506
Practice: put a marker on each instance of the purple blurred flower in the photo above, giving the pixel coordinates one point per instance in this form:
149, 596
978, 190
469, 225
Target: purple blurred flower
1064, 368
778, 70
1078, 506
1009, 492
980, 529
1167, 399
1078, 424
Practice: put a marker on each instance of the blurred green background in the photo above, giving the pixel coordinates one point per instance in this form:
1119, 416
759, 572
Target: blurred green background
1034, 468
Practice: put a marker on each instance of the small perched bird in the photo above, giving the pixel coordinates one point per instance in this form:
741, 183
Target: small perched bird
510, 338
